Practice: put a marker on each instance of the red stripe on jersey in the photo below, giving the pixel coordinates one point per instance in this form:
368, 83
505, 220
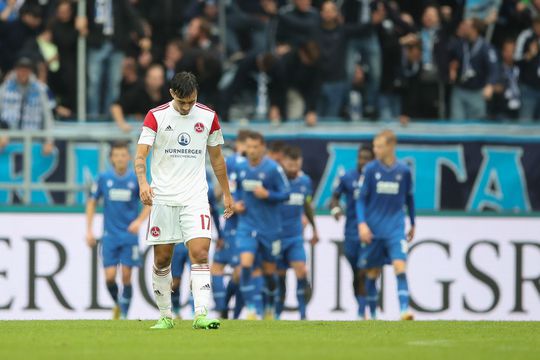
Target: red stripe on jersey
204, 107
150, 121
215, 124
160, 107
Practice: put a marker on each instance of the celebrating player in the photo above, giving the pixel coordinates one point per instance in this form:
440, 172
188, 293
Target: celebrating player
226, 253
292, 252
122, 220
348, 186
386, 187
180, 133
262, 187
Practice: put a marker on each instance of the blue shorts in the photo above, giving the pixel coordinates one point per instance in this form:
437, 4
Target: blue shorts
179, 260
352, 248
382, 251
257, 244
228, 254
292, 249
114, 253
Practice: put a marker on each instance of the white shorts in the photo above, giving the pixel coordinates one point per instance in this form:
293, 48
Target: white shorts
176, 224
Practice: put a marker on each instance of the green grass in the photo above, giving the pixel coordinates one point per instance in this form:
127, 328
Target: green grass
276, 340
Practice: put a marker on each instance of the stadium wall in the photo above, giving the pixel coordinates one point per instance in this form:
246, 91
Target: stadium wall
460, 268
454, 168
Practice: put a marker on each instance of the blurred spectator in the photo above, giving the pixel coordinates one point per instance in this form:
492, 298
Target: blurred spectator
250, 20
44, 53
419, 98
139, 100
332, 37
528, 56
507, 95
130, 75
300, 72
246, 77
473, 70
16, 33
297, 24
64, 35
366, 49
9, 10
174, 51
109, 25
199, 35
165, 18
25, 103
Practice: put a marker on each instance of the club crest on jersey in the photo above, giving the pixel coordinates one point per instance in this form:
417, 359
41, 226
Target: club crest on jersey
155, 231
377, 175
398, 177
199, 127
184, 139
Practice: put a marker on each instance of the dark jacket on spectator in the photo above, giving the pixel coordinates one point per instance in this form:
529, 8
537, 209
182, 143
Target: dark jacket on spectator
295, 27
126, 20
477, 64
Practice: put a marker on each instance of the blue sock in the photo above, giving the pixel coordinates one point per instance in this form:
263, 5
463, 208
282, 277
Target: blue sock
258, 298
301, 297
270, 285
125, 300
403, 292
238, 304
362, 302
280, 302
219, 292
247, 287
113, 290
232, 289
372, 296
175, 299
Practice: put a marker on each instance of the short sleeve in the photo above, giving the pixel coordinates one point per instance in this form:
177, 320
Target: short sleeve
215, 137
149, 130
96, 191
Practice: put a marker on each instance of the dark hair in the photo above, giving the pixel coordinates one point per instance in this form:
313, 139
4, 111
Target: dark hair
478, 25
277, 146
366, 147
183, 84
292, 152
253, 135
119, 145
242, 135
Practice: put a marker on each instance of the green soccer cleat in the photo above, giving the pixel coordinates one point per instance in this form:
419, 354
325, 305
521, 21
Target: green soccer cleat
164, 323
203, 322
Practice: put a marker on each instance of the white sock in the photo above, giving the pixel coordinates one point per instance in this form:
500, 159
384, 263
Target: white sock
161, 283
201, 287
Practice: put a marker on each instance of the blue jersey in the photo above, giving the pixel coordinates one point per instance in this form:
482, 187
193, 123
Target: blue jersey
293, 209
232, 162
385, 192
120, 195
261, 215
348, 186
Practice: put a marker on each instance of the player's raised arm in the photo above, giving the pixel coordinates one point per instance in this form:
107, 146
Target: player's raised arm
145, 191
220, 170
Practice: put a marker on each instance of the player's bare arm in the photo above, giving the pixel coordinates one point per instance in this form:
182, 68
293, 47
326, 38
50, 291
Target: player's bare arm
365, 233
310, 215
410, 234
136, 224
90, 211
220, 170
145, 191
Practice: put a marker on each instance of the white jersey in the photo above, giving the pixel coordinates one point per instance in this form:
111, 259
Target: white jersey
179, 152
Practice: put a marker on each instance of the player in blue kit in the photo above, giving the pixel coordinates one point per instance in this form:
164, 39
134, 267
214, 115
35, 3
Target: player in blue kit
348, 186
122, 220
226, 253
181, 254
386, 188
293, 253
262, 187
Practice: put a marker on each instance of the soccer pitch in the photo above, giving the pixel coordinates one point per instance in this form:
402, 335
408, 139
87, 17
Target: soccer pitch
276, 340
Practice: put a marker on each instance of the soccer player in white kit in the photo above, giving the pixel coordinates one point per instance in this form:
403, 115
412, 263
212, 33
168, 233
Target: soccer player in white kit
180, 132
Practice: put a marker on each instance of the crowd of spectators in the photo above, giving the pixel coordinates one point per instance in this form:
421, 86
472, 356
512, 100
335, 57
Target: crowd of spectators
277, 60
